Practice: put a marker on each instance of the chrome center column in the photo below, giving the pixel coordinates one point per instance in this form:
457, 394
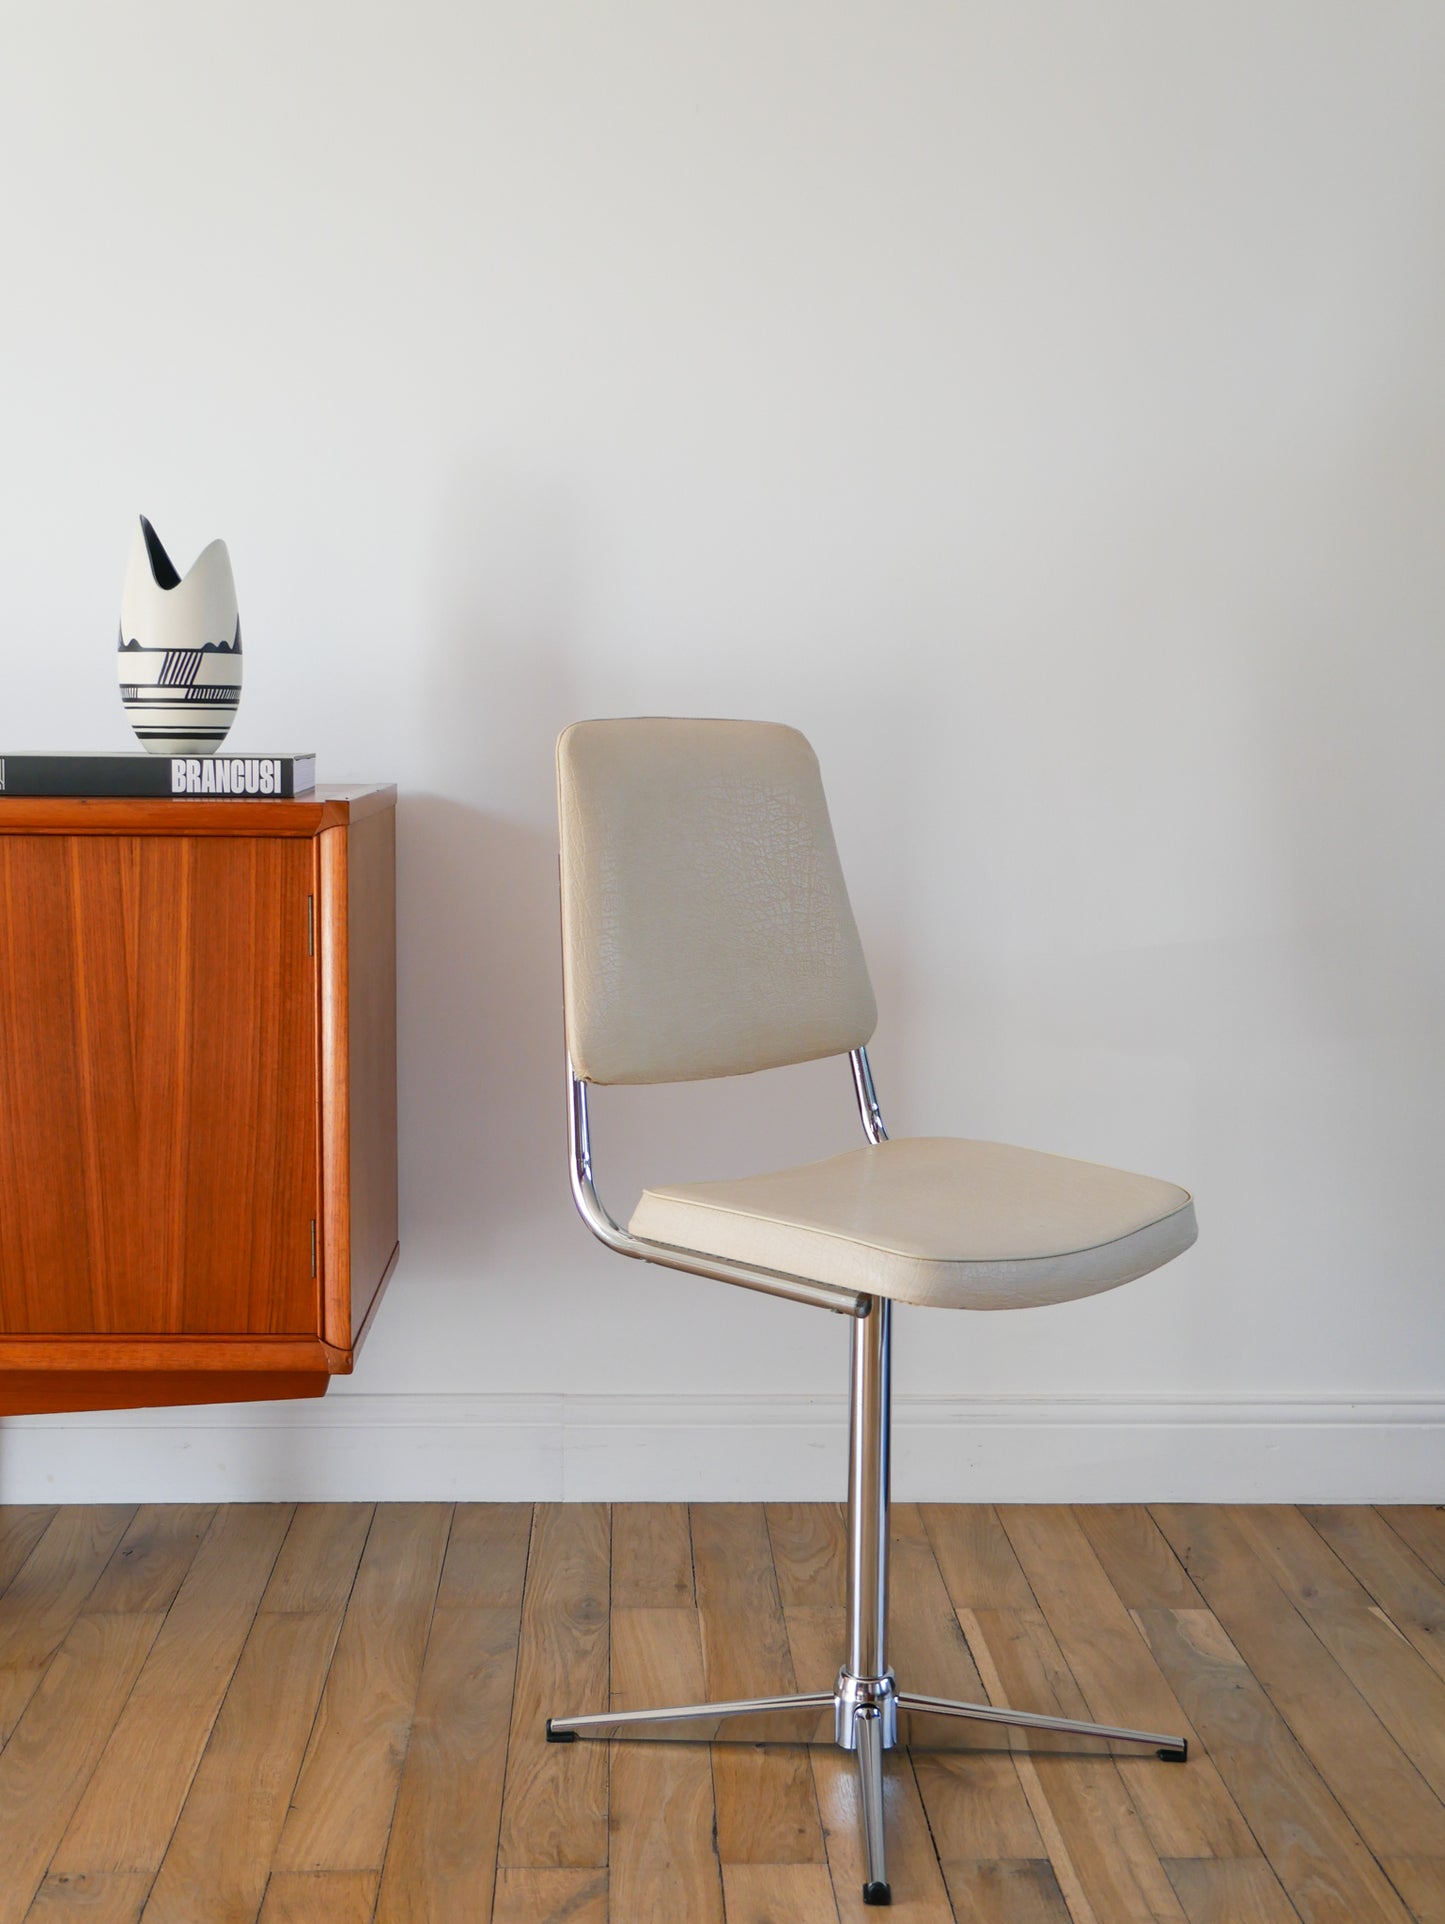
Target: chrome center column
865, 1679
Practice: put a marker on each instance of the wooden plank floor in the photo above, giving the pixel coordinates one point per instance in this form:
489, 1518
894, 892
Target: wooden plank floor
333, 1714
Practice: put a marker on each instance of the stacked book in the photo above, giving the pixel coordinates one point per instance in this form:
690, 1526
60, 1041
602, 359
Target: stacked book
251, 777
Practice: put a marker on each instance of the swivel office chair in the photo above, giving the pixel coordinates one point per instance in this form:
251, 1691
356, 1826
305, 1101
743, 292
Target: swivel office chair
707, 932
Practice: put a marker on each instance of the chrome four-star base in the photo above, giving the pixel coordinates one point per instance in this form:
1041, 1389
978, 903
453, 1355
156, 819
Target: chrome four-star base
862, 1712
861, 1715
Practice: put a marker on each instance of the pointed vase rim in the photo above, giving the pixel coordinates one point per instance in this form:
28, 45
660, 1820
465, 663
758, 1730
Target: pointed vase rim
160, 561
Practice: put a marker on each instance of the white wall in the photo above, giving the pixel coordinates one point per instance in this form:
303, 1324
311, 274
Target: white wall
1041, 407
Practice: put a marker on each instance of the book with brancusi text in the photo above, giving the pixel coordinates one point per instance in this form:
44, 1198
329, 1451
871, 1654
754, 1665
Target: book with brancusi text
243, 777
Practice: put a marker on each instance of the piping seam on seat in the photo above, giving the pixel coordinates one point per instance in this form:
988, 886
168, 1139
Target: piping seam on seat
905, 1255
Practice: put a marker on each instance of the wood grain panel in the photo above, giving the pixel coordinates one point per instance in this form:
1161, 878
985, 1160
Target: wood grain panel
1401, 1585
1421, 1882
1006, 1891
334, 982
131, 1804
976, 1557
1422, 1526
111, 1652
161, 1173
357, 938
810, 1555
319, 1897
779, 1894
976, 1806
1316, 1852
371, 1055
1141, 1563
90, 1897
1188, 1812
1378, 1782
662, 1857
22, 1525
974, 1801
53, 1748
552, 1897
250, 1116
130, 1354
809, 1547
226, 1835
233, 1813
651, 1557
161, 1076
442, 1857
663, 1861
486, 1560
1215, 1890
1405, 1693
47, 1594
928, 1644
306, 815
767, 1811
341, 1813
1105, 1863
554, 1809
135, 1588
38, 1392
153, 1557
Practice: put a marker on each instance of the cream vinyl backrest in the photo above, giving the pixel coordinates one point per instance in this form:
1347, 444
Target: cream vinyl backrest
706, 929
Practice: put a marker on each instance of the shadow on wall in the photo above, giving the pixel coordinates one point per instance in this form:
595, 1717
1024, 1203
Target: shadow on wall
481, 1059
483, 1139
483, 1101
484, 1194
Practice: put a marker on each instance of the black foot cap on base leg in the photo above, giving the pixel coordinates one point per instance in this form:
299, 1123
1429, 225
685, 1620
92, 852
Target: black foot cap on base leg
570, 1736
877, 1894
1180, 1756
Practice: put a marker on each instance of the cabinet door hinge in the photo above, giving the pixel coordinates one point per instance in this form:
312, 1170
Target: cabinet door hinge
313, 1245
311, 925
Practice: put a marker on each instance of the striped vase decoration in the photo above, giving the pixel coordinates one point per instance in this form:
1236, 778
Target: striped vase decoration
180, 648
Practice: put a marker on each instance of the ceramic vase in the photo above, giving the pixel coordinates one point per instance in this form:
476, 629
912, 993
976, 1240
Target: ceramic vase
180, 648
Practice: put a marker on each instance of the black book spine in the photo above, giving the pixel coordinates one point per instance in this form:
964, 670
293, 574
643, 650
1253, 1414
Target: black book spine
244, 777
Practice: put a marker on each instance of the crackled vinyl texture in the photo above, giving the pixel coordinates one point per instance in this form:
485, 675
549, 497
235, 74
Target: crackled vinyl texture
706, 925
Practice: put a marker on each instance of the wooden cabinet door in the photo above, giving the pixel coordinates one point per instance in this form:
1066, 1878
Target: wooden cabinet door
158, 1085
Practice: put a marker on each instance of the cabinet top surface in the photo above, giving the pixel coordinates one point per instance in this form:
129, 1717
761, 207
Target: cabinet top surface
332, 806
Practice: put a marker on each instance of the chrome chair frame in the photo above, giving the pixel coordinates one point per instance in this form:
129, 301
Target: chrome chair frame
861, 1712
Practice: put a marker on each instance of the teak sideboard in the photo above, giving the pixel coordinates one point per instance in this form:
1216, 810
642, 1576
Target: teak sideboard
197, 1095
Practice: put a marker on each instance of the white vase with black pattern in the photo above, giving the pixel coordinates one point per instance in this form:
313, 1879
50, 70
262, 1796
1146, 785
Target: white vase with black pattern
180, 648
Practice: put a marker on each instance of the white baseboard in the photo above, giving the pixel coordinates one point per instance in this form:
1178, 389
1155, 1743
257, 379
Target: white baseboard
1018, 1449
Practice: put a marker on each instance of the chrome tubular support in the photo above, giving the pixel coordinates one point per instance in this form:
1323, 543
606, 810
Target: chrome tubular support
865, 1677
1173, 1748
797, 1289
584, 1190
869, 1744
868, 1110
802, 1718
853, 1695
868, 1478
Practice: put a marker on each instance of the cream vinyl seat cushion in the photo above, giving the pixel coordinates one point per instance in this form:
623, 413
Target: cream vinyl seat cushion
935, 1220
